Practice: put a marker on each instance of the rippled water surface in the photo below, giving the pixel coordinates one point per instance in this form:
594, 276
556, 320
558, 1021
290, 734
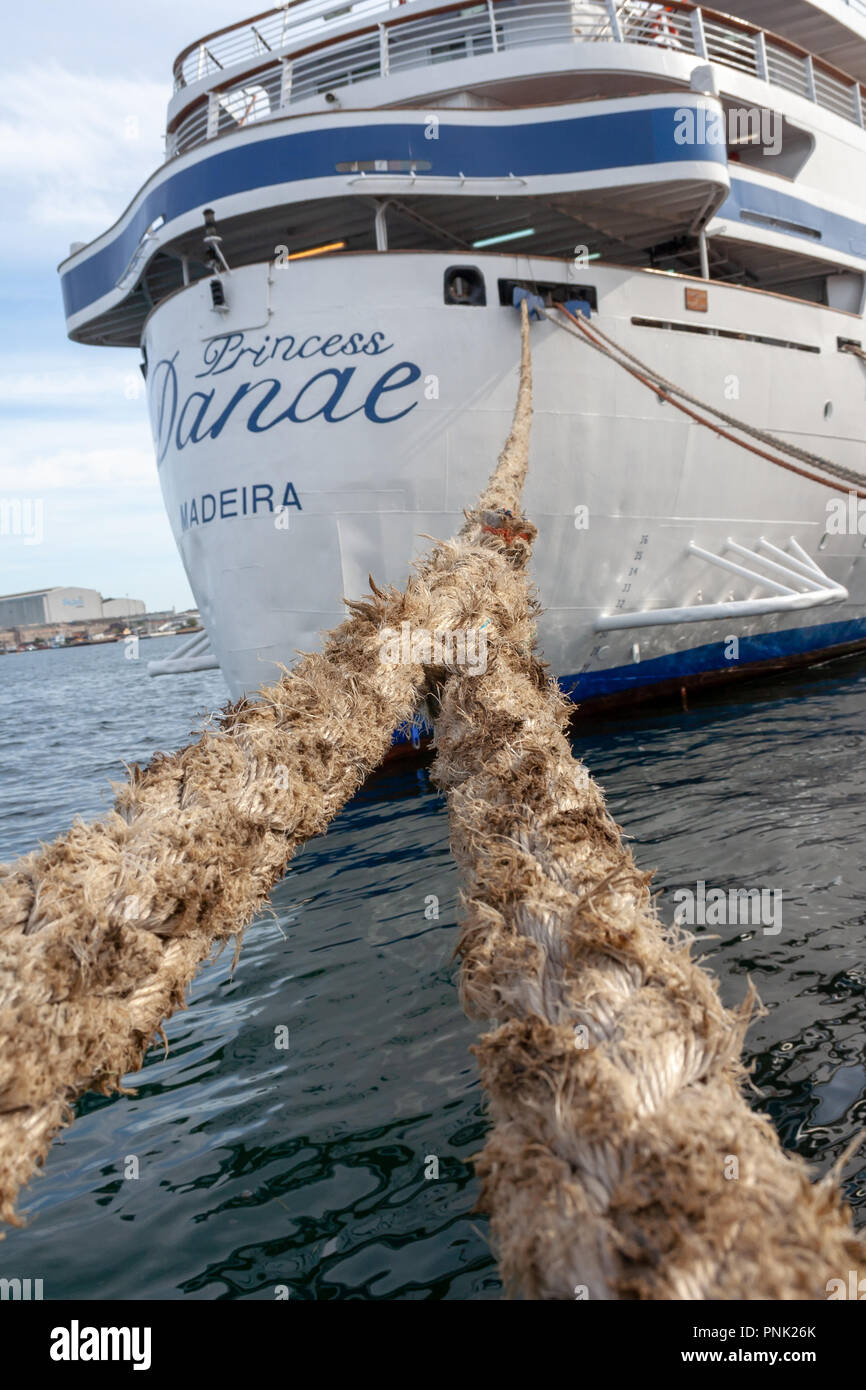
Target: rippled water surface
306, 1167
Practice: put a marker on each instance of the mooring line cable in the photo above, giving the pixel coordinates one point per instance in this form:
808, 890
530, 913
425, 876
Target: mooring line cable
668, 391
102, 931
613, 1070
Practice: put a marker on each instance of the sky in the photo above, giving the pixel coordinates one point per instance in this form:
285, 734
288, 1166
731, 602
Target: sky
83, 94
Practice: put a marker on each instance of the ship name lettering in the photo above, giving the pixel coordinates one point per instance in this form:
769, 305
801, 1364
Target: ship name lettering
177, 425
222, 354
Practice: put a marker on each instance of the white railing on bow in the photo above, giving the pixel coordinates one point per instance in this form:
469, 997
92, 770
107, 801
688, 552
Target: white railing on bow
279, 29
290, 57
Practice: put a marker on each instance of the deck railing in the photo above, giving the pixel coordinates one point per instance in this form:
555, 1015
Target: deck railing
290, 56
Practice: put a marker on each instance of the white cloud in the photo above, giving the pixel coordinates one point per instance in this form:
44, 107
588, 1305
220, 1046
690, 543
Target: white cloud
75, 147
76, 468
39, 455
104, 383
78, 146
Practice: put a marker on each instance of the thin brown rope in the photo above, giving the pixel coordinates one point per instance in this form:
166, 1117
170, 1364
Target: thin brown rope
669, 391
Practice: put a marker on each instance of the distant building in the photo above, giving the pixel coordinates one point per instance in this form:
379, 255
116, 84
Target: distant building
122, 607
62, 605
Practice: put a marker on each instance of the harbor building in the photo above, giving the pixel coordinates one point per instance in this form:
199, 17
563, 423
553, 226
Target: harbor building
56, 605
63, 604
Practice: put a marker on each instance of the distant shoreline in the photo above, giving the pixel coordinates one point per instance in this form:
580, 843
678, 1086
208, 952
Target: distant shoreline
99, 642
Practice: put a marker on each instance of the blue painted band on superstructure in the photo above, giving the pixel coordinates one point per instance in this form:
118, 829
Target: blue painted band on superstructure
572, 145
838, 233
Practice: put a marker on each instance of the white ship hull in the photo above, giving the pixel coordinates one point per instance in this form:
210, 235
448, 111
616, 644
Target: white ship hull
340, 412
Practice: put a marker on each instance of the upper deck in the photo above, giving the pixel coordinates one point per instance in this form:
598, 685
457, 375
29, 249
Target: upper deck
831, 29
308, 50
562, 122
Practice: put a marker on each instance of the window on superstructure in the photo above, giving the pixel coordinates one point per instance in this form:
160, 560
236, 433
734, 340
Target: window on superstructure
766, 141
551, 291
462, 34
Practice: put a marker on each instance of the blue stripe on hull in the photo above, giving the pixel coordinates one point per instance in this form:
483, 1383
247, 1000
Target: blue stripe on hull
765, 646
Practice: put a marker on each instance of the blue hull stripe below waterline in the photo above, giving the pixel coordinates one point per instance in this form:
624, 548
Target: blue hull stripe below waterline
766, 646
570, 145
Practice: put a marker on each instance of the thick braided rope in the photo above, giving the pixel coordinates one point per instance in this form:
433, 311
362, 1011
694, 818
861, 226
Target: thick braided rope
624, 1160
102, 931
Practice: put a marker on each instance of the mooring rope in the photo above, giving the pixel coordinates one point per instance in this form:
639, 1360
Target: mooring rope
102, 931
623, 1160
670, 391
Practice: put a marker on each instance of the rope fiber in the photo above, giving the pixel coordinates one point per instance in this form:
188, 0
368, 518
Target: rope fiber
102, 931
623, 1160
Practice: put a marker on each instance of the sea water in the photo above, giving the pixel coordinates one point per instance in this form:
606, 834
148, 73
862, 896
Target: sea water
340, 1165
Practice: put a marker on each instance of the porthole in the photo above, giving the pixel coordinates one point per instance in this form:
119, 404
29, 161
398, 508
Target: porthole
464, 284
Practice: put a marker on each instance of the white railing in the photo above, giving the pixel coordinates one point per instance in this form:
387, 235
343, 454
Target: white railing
289, 62
283, 28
